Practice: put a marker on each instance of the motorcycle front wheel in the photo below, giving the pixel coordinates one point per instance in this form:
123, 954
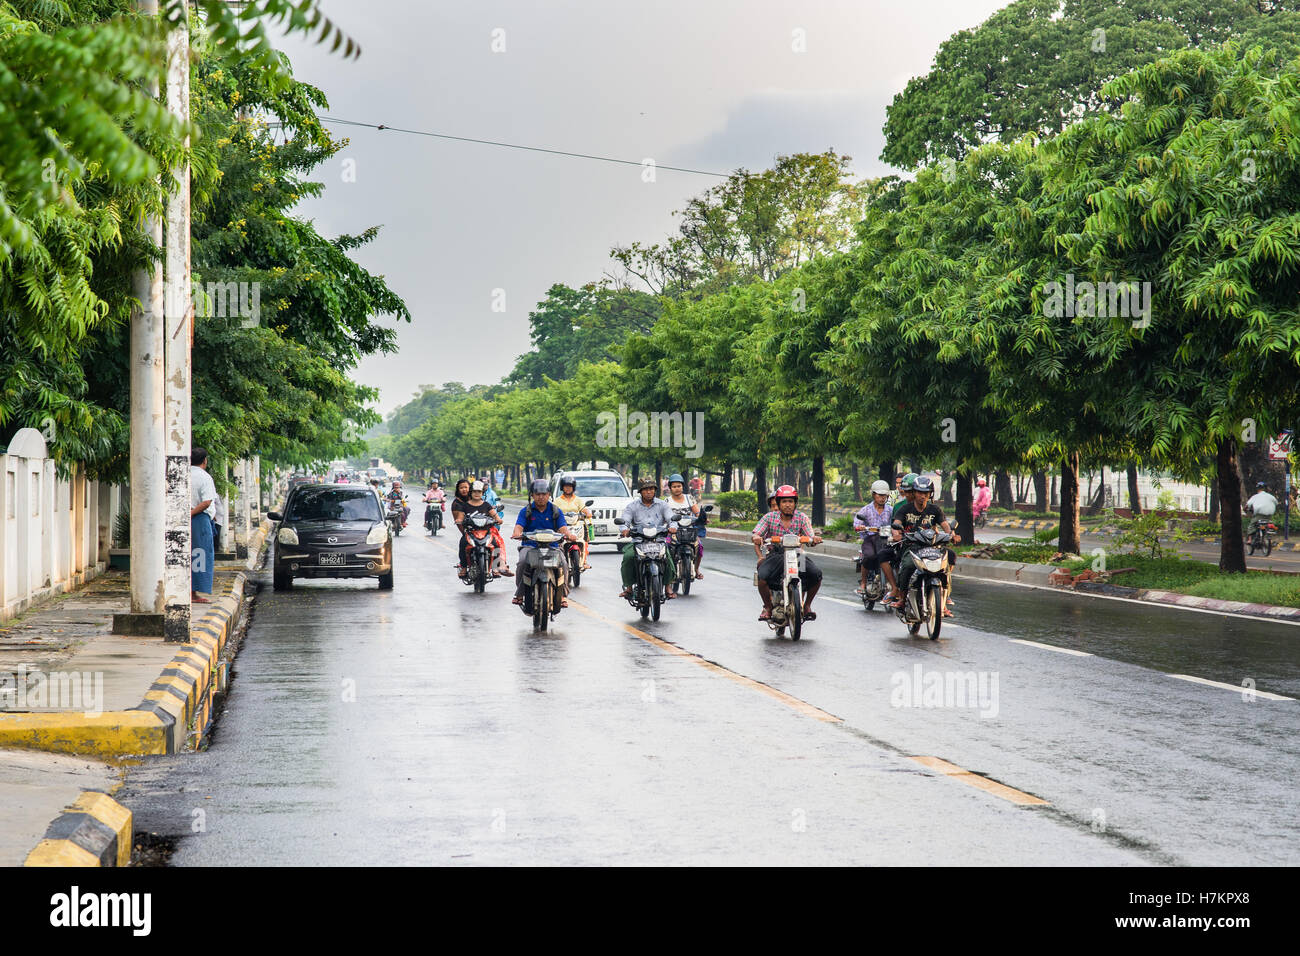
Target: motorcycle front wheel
575, 567
685, 571
934, 619
795, 615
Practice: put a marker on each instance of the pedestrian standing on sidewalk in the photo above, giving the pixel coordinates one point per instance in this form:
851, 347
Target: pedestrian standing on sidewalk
218, 518
203, 491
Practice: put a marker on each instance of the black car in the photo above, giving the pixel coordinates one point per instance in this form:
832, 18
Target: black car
332, 531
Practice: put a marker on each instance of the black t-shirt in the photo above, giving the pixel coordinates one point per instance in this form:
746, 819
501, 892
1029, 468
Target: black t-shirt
469, 509
907, 518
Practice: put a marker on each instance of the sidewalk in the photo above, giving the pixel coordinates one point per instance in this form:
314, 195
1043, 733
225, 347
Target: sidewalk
87, 697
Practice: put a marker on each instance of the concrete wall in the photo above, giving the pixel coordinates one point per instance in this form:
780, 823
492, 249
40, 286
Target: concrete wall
53, 532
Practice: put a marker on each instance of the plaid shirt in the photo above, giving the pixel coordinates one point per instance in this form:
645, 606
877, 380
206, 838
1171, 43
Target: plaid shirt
770, 525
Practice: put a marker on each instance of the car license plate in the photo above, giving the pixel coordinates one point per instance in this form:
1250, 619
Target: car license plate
330, 558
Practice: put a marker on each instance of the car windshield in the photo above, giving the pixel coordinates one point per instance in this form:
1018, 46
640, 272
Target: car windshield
334, 504
607, 486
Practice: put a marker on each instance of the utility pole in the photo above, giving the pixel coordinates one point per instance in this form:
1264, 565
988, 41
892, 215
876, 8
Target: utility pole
180, 556
148, 452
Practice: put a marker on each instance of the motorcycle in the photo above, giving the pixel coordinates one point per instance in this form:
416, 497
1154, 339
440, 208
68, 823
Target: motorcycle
788, 611
1262, 537
542, 600
479, 550
923, 602
682, 550
573, 549
875, 589
648, 584
433, 517
394, 517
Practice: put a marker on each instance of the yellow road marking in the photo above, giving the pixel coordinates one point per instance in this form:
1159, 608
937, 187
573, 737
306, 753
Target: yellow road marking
981, 783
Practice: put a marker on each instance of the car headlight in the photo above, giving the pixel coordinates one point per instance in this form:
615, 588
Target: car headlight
378, 534
287, 536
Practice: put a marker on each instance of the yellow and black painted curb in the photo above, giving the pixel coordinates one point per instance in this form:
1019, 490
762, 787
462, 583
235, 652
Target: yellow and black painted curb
177, 708
94, 831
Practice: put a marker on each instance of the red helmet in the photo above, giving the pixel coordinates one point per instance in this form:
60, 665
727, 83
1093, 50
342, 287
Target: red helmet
981, 482
786, 491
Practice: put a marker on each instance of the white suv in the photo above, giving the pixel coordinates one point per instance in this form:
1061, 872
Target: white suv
608, 494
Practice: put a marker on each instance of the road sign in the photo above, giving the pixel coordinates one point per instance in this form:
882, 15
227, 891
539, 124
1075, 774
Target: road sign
1280, 447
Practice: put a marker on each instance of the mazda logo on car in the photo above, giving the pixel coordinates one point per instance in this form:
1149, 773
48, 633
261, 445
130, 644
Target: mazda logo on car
331, 540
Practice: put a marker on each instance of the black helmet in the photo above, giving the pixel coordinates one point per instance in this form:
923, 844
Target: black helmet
539, 486
923, 485
570, 481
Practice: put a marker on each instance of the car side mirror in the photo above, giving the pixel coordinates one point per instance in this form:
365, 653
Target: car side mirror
275, 516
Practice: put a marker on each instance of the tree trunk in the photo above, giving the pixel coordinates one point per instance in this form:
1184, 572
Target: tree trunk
636, 475
1054, 498
1099, 500
1214, 501
886, 473
659, 474
1040, 491
857, 487
1134, 499
726, 476
819, 490
1068, 530
1232, 548
1003, 490
760, 485
945, 493
965, 499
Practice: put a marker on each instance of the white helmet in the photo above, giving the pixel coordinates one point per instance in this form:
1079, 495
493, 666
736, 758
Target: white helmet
880, 488
476, 486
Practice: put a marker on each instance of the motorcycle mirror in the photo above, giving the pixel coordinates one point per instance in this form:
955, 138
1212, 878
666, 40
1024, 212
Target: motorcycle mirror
588, 504
708, 507
619, 521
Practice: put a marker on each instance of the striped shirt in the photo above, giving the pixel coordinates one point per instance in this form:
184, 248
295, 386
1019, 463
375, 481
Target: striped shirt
770, 525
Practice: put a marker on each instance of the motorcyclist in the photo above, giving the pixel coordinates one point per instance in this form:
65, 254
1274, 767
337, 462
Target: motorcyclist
1260, 505
785, 520
474, 504
397, 501
920, 512
433, 497
574, 509
907, 488
680, 503
540, 514
983, 498
489, 493
646, 512
876, 548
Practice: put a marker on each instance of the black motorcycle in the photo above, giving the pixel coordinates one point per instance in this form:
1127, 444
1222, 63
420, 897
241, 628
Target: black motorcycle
648, 585
923, 602
875, 589
394, 518
1261, 538
433, 517
543, 600
479, 550
682, 550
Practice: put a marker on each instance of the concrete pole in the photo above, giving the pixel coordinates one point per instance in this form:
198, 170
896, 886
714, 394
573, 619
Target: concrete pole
180, 555
257, 489
246, 499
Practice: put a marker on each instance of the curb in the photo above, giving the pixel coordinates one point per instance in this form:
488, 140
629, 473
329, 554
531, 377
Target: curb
176, 708
94, 831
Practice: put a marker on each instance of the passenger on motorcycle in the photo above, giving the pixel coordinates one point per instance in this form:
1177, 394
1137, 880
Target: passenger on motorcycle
877, 551
646, 512
540, 514
906, 488
474, 504
573, 509
785, 520
1261, 505
397, 501
680, 503
919, 513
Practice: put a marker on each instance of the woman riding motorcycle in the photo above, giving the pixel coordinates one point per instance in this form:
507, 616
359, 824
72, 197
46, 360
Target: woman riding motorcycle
474, 505
681, 503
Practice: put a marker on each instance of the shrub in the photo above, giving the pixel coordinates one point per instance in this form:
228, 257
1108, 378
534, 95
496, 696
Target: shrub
843, 525
1144, 533
1046, 535
741, 505
122, 527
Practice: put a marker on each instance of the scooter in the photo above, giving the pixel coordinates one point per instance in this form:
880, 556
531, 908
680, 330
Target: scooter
875, 589
394, 517
479, 550
685, 535
1262, 537
543, 600
573, 550
433, 521
923, 602
788, 610
648, 586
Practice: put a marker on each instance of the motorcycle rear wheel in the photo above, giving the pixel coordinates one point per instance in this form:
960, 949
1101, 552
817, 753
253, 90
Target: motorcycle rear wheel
1268, 547
541, 603
480, 571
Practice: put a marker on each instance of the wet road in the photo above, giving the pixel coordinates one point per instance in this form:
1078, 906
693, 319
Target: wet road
431, 725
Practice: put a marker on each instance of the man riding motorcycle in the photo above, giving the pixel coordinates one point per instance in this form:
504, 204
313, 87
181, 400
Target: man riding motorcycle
397, 501
1261, 505
680, 503
920, 512
785, 520
877, 553
573, 509
646, 512
540, 514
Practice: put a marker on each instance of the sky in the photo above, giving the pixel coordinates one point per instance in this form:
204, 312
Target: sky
472, 236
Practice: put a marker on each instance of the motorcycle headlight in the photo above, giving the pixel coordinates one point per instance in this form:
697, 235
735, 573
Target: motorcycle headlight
378, 534
287, 536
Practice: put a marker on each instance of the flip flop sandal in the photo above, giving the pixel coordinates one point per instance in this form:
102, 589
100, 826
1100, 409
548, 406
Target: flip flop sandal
947, 613
765, 615
517, 600
810, 615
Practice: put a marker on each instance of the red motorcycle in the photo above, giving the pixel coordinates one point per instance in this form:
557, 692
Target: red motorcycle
480, 550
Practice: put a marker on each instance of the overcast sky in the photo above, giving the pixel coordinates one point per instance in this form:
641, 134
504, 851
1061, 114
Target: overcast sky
705, 84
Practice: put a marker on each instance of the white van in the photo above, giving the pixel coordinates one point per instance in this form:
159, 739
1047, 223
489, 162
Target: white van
608, 494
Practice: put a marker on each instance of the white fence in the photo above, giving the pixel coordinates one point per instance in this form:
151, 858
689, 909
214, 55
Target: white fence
54, 533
